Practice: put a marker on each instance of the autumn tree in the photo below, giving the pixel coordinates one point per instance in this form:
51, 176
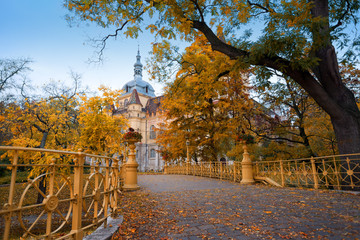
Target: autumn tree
351, 76
13, 77
13, 82
296, 38
203, 104
290, 106
301, 128
49, 122
100, 130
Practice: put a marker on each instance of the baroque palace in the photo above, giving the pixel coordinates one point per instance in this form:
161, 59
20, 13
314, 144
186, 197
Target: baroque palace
142, 109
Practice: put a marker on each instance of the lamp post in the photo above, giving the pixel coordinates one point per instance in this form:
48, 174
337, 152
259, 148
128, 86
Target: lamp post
187, 157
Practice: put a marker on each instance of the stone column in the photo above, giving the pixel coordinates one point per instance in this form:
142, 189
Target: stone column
247, 168
131, 169
187, 158
165, 167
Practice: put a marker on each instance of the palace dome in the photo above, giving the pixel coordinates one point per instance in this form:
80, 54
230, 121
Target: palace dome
140, 85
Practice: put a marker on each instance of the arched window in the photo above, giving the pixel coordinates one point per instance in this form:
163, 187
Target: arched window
126, 102
152, 132
152, 153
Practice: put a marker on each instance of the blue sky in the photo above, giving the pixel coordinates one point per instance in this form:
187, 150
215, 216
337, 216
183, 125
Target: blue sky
37, 29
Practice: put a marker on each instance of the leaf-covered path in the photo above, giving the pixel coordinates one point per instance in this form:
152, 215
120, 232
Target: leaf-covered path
187, 207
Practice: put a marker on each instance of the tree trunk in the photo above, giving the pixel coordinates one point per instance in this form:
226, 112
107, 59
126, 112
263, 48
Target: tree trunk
42, 183
42, 187
347, 131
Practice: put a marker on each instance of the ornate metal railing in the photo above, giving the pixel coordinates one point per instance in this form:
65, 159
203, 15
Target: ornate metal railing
74, 198
335, 172
208, 169
329, 172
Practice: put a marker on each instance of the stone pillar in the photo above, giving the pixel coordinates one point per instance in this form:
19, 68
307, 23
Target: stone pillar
187, 158
130, 183
165, 167
247, 168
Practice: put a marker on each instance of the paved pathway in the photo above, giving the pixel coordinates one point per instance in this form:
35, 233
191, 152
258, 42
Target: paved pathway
203, 208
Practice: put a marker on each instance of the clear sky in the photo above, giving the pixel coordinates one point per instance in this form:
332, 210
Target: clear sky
37, 29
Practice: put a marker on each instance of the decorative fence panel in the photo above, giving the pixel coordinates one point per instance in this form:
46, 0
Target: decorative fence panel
218, 170
329, 172
65, 199
333, 172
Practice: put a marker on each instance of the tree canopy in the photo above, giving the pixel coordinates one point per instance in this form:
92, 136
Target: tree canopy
100, 131
204, 105
300, 39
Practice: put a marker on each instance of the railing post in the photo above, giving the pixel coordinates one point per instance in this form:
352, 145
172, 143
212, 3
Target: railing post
221, 170
234, 171
78, 196
313, 166
165, 168
92, 165
106, 189
96, 192
116, 186
337, 175
9, 205
247, 168
282, 173
51, 199
187, 157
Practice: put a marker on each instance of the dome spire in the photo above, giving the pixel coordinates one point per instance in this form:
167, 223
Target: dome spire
138, 66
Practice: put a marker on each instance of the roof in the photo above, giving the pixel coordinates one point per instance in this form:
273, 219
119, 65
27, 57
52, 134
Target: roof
134, 98
153, 105
140, 85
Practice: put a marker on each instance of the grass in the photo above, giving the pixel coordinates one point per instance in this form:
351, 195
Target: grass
20, 177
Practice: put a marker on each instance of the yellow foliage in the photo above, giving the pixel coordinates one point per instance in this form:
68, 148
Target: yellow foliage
205, 104
100, 130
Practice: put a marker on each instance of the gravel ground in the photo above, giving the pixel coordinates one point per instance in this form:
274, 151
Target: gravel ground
188, 207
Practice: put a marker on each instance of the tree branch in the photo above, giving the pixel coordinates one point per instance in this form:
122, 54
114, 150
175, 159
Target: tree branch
216, 43
199, 10
339, 23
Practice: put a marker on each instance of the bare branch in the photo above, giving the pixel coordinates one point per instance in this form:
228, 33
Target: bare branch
199, 10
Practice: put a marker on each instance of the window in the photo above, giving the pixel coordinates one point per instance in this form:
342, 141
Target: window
152, 153
126, 102
152, 132
147, 89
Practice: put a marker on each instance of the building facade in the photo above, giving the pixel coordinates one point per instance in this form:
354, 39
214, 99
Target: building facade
142, 109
